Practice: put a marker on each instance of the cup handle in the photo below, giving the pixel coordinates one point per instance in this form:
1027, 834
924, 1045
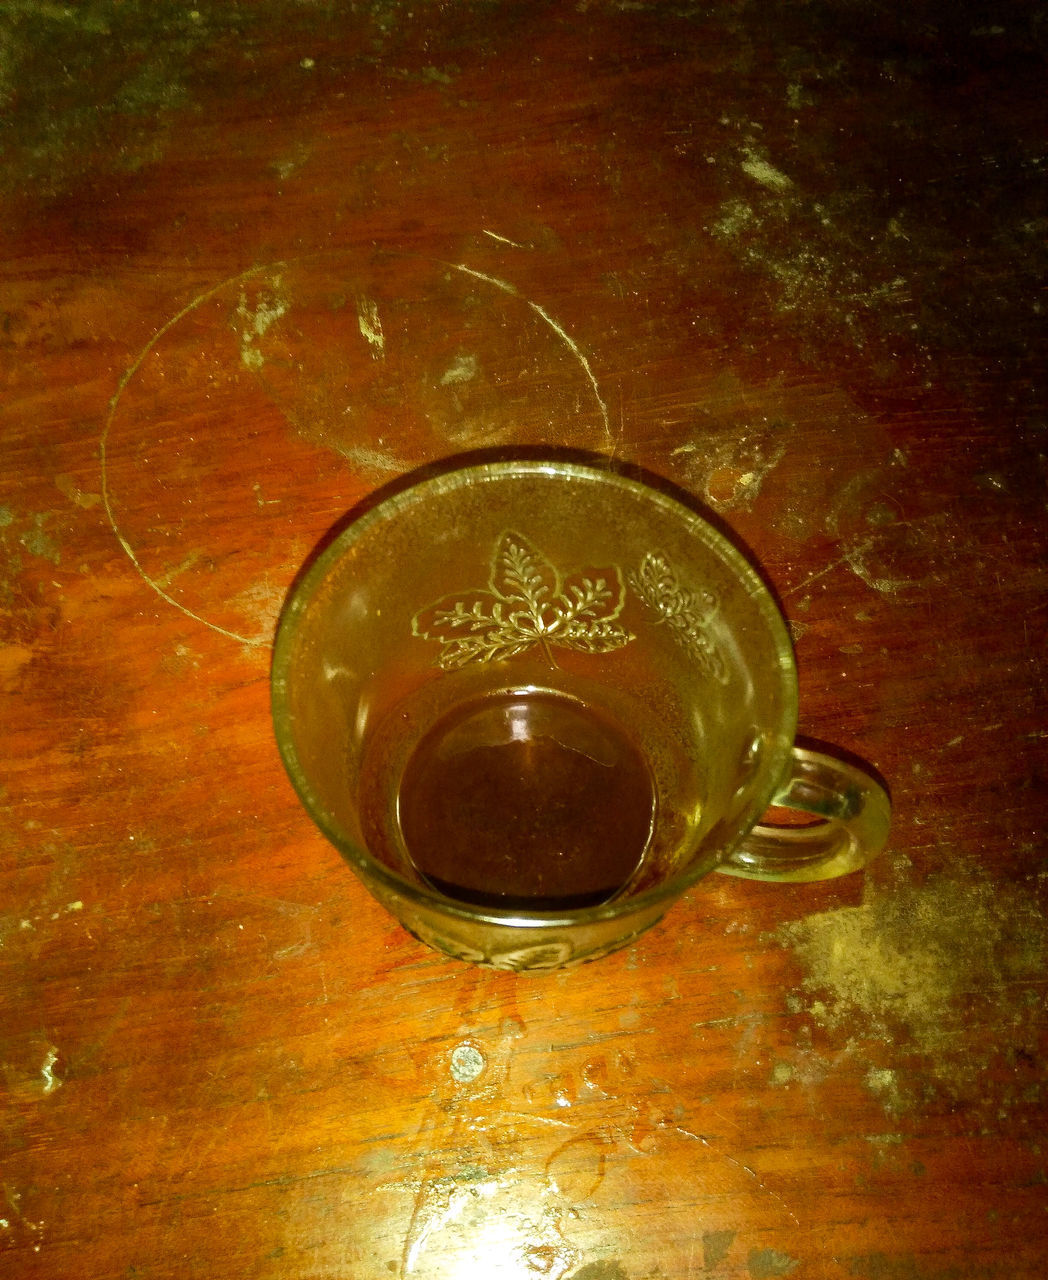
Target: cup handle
854, 814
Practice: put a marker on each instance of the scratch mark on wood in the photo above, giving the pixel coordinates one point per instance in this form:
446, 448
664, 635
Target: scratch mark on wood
814, 577
47, 1072
752, 1173
166, 579
278, 1180
254, 324
371, 329
504, 240
103, 452
370, 324
561, 333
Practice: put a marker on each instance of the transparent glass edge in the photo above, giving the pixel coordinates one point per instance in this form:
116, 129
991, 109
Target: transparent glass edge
358, 857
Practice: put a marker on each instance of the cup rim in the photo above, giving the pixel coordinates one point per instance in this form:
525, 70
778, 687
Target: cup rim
406, 494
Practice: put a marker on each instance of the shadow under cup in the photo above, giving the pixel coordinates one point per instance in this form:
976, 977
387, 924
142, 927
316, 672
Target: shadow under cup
530, 703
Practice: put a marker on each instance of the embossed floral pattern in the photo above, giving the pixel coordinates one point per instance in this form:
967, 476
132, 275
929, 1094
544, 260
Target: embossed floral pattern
526, 603
688, 613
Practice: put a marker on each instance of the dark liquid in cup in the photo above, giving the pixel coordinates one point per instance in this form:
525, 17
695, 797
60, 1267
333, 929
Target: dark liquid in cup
526, 800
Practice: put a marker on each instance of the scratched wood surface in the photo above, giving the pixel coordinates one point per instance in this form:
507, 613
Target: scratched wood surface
259, 260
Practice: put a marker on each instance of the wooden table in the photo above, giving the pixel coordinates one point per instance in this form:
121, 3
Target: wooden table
260, 260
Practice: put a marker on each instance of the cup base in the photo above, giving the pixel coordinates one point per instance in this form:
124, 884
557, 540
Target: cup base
526, 800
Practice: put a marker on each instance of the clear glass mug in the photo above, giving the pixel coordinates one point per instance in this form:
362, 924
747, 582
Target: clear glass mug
531, 702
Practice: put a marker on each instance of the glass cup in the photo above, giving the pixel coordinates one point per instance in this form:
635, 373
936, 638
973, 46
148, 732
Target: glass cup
531, 702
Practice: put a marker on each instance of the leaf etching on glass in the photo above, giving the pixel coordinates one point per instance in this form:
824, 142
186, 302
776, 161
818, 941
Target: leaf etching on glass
526, 603
688, 613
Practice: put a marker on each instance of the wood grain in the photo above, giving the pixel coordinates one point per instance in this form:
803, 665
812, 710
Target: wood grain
261, 260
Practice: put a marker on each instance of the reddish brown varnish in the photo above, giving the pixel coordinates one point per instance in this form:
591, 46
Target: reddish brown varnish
800, 249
